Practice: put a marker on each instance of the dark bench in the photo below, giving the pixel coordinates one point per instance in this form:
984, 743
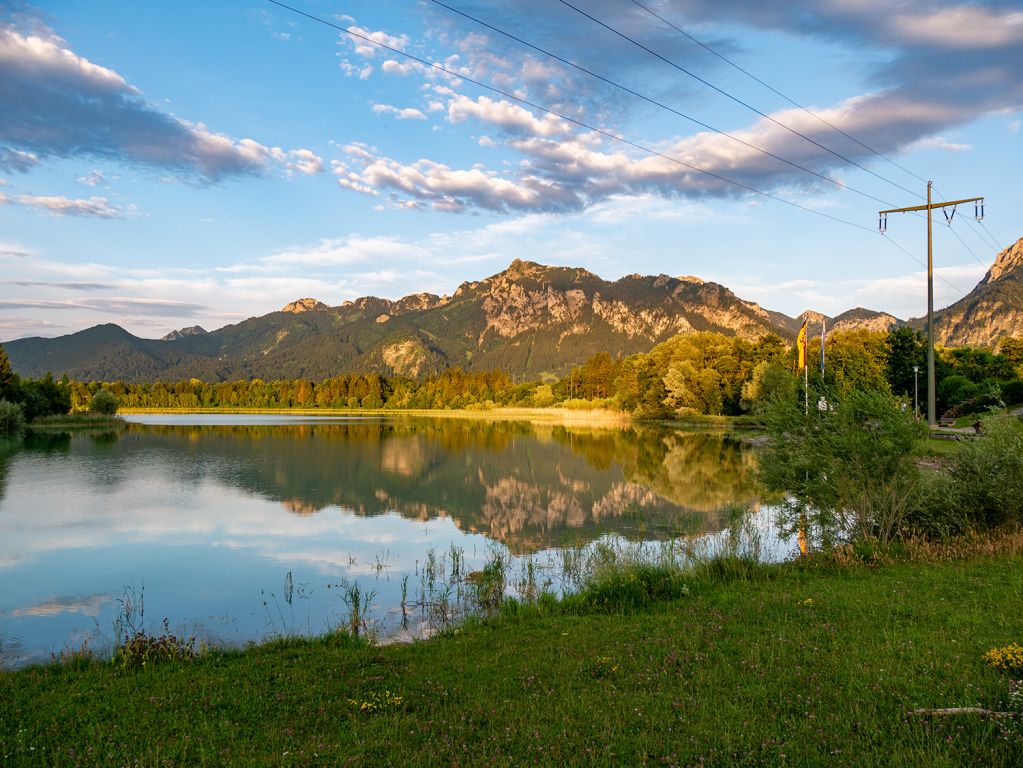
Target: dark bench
946, 421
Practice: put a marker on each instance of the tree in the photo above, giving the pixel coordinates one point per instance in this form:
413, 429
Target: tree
11, 419
43, 397
849, 468
905, 348
856, 360
1012, 349
770, 380
8, 379
105, 402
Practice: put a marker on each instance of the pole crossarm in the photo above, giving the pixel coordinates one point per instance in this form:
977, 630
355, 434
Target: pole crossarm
932, 206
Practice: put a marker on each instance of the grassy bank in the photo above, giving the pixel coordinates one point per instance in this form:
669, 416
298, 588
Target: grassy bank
782, 665
83, 420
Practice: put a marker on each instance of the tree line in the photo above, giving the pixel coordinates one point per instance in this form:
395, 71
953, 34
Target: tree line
26, 399
700, 373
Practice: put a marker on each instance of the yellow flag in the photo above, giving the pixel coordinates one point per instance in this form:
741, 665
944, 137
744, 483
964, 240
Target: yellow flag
801, 345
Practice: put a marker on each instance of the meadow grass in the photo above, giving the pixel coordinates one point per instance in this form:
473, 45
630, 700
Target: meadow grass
815, 662
76, 420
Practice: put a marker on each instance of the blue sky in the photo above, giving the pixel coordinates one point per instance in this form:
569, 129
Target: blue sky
165, 165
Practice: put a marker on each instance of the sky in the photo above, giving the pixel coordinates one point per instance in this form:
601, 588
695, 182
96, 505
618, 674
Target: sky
164, 165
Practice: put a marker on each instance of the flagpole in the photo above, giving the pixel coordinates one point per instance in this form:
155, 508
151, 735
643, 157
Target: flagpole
823, 333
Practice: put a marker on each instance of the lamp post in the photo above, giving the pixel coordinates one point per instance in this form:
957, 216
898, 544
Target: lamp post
916, 409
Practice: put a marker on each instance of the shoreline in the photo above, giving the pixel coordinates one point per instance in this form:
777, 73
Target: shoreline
593, 417
597, 417
792, 651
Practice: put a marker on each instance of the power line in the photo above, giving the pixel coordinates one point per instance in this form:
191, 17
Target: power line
774, 90
587, 126
993, 238
736, 99
909, 253
566, 118
967, 247
655, 102
988, 244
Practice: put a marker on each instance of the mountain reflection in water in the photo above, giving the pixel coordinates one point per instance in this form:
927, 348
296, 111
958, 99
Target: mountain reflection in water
527, 486
210, 518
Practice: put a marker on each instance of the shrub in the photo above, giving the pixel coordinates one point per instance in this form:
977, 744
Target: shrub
12, 419
142, 649
1012, 392
105, 402
847, 464
982, 486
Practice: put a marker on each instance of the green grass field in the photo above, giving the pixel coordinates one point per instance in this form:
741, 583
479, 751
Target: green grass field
794, 665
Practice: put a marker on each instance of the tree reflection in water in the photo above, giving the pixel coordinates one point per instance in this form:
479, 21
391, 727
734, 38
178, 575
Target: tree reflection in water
528, 486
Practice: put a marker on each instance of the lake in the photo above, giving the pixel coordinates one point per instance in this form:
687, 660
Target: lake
237, 528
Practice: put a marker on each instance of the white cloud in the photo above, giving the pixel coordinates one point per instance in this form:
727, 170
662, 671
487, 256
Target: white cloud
304, 161
92, 179
344, 251
505, 115
403, 68
57, 104
442, 187
966, 26
366, 49
407, 113
939, 143
97, 207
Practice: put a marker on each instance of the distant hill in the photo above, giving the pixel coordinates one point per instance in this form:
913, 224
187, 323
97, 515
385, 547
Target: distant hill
531, 320
860, 318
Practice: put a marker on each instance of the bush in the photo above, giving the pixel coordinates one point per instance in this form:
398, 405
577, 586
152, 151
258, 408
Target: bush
105, 402
12, 419
1012, 392
982, 486
141, 650
847, 464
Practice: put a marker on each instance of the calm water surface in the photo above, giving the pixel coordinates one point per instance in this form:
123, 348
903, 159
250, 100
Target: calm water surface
208, 515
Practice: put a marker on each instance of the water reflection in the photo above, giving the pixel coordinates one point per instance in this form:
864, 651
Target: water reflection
209, 516
527, 486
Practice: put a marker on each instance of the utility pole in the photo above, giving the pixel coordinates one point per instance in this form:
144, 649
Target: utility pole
978, 212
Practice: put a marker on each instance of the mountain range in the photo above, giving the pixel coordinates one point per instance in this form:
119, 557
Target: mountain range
531, 320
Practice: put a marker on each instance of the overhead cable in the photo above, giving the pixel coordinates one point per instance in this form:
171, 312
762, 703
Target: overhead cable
736, 99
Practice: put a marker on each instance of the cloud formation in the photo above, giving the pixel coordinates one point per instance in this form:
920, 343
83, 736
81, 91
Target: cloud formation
96, 207
114, 306
57, 104
563, 167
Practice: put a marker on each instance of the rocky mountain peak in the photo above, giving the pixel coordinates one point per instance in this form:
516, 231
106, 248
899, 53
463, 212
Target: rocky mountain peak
303, 305
418, 302
1008, 262
861, 318
811, 316
520, 268
192, 330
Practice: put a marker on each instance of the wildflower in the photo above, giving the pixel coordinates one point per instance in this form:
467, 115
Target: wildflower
377, 702
805, 603
1009, 658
